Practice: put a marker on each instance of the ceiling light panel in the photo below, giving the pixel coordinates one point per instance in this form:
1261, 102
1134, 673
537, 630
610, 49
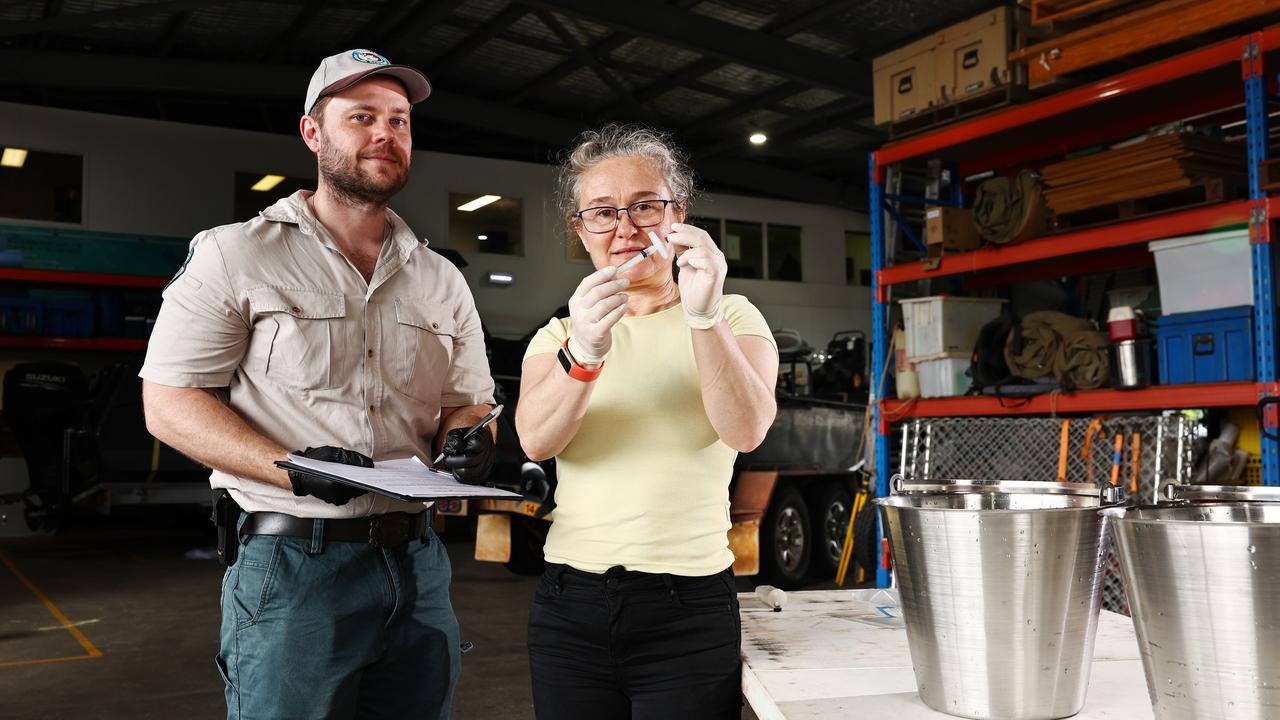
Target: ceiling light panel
473, 205
13, 157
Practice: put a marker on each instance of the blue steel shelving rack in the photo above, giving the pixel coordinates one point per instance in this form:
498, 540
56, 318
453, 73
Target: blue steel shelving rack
1092, 107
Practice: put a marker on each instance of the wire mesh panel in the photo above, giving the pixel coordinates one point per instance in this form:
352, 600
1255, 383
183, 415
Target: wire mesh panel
1155, 448
1159, 448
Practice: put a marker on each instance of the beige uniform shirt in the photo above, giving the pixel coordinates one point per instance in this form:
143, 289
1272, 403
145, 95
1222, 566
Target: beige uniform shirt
311, 354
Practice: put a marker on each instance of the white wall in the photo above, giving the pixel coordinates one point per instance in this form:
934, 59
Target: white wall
154, 177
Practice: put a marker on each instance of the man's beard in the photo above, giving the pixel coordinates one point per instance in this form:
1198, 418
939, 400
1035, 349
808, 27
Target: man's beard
352, 184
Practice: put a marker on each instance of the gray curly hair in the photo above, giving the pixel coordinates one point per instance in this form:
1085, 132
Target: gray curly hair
617, 140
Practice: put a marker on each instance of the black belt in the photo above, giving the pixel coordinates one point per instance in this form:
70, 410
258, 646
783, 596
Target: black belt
381, 531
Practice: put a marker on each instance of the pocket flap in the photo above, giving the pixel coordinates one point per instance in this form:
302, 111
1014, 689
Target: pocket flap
432, 317
312, 304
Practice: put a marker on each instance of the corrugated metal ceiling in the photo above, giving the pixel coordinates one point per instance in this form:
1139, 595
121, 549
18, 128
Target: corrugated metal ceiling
704, 86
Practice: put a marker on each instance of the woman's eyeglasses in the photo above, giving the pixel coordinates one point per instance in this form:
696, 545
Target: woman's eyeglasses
603, 219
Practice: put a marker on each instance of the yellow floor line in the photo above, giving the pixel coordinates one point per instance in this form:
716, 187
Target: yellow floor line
89, 648
46, 661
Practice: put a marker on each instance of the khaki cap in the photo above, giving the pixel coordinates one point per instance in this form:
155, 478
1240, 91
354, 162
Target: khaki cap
339, 72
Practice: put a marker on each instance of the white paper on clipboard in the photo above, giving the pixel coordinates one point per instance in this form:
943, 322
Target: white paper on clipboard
405, 478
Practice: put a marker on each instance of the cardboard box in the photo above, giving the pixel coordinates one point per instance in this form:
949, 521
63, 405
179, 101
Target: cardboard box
972, 57
904, 82
948, 229
965, 60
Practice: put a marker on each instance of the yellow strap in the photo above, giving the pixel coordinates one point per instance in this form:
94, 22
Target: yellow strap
1115, 460
1086, 450
846, 551
155, 464
1063, 444
1135, 457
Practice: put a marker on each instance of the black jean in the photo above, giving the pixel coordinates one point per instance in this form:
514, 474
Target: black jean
628, 645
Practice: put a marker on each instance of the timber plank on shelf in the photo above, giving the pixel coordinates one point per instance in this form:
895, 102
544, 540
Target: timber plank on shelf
1148, 27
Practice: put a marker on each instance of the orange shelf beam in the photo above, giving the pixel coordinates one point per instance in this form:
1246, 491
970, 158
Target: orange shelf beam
1201, 219
40, 342
66, 277
1160, 397
1159, 73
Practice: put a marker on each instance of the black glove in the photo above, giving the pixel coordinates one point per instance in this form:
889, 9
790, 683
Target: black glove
470, 461
330, 491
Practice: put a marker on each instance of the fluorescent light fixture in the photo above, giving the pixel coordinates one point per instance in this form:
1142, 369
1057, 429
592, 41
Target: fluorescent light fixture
482, 237
479, 202
500, 278
267, 183
758, 138
13, 157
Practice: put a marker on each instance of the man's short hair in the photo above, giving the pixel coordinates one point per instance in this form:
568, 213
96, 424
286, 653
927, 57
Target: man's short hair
317, 110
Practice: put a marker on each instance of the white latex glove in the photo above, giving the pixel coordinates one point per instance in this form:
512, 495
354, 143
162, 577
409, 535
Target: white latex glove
702, 272
596, 306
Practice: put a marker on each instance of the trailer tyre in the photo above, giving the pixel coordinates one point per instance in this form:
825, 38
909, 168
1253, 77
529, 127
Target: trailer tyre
830, 503
786, 539
865, 547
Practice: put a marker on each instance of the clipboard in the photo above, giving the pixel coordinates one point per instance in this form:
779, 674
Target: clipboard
407, 479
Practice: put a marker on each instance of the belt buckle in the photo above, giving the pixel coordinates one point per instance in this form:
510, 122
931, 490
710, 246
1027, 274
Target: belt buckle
388, 530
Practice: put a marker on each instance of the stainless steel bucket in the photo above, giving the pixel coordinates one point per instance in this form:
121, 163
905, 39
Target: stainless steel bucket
1000, 586
1203, 578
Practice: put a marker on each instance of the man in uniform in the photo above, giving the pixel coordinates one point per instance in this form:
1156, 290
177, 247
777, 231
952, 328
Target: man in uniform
325, 324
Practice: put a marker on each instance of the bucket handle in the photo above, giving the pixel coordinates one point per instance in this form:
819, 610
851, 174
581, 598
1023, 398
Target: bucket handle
1114, 494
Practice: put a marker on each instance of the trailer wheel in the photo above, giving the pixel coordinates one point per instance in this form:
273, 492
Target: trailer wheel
786, 540
831, 503
865, 551
527, 538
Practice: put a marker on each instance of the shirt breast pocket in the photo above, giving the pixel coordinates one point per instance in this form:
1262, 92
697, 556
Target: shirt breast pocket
422, 340
298, 338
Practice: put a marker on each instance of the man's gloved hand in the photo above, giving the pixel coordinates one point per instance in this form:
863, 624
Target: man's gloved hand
330, 491
470, 461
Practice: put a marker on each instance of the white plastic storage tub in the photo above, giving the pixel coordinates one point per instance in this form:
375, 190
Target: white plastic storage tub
938, 325
1204, 272
944, 375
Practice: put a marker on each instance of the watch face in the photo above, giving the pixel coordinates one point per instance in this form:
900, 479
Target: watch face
577, 372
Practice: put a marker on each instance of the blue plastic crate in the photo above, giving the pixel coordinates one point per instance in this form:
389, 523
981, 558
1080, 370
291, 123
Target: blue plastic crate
21, 316
68, 318
1206, 347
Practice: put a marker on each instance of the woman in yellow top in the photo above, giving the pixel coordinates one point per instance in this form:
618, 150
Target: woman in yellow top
644, 395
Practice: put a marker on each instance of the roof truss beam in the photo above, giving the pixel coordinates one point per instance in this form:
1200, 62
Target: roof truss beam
66, 23
728, 43
503, 20
210, 79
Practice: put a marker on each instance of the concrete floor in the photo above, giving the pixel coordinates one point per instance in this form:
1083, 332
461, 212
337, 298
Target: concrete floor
130, 588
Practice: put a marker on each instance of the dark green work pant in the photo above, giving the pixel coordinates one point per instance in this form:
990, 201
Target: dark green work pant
314, 629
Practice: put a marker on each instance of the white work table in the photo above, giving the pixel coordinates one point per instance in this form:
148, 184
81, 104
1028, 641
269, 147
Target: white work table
843, 653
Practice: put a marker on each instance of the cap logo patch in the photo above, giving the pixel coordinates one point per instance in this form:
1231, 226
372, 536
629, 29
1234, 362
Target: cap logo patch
369, 57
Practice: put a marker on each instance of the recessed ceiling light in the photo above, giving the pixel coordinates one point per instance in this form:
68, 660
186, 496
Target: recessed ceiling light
267, 183
758, 138
479, 202
13, 157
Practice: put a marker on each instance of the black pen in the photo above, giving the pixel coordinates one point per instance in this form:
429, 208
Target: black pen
493, 415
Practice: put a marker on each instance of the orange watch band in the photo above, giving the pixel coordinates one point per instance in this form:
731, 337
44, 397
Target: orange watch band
571, 366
